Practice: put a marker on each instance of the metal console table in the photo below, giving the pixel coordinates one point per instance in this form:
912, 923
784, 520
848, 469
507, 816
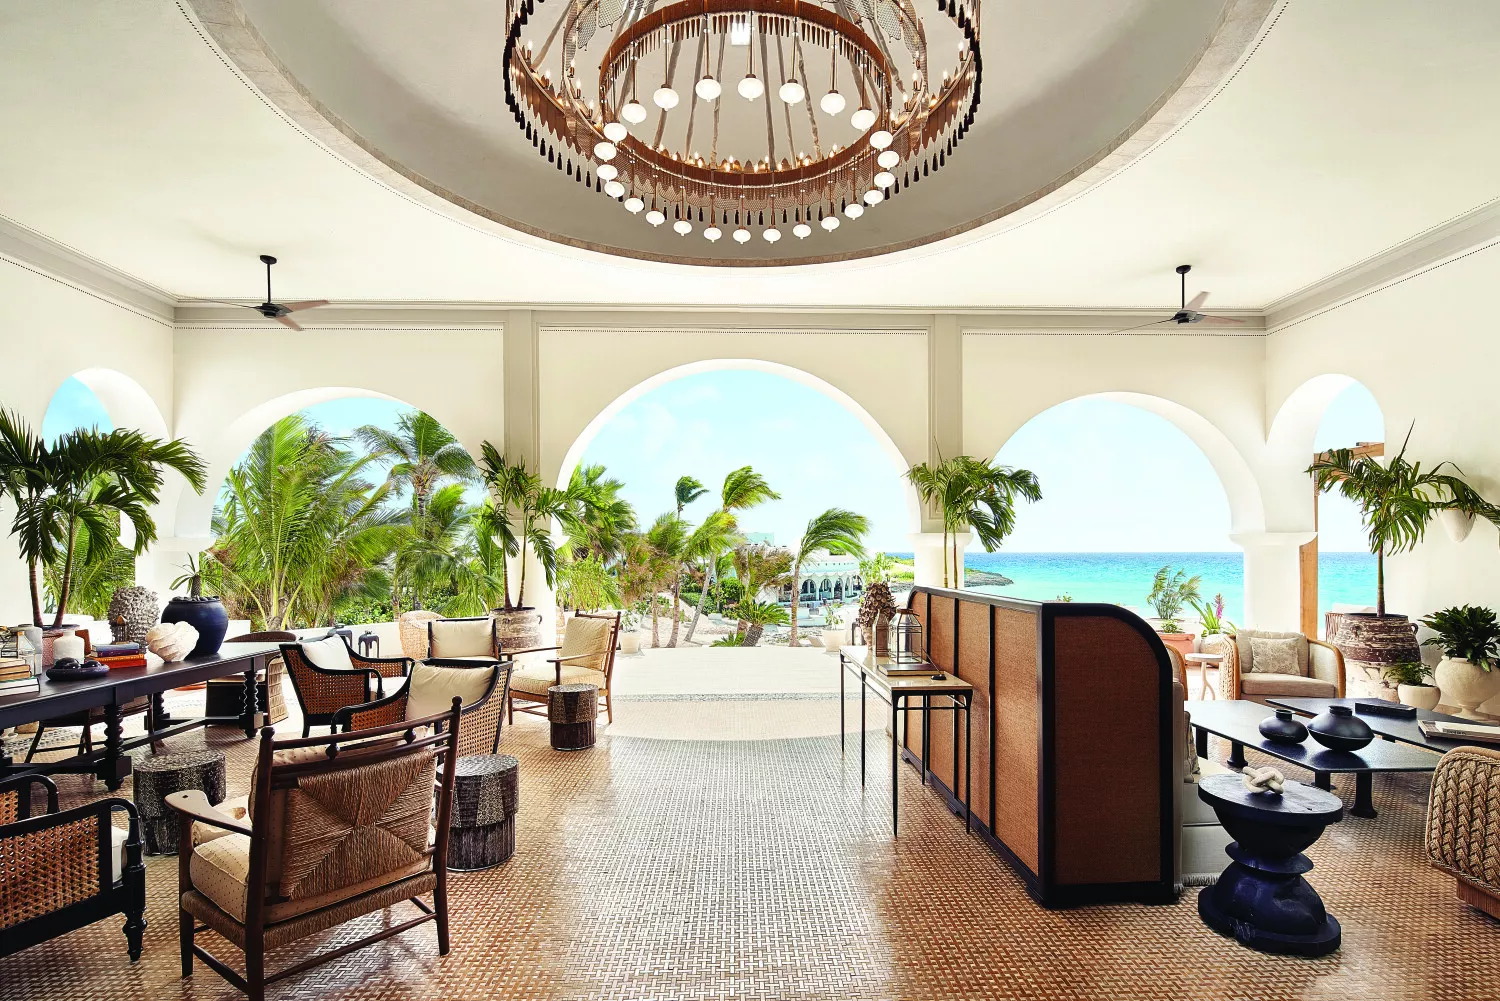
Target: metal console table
904, 692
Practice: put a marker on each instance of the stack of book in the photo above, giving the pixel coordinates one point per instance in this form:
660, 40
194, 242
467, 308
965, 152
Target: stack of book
16, 677
120, 655
1460, 731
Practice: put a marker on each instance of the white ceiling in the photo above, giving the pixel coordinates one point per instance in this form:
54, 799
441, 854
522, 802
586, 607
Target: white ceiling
1352, 126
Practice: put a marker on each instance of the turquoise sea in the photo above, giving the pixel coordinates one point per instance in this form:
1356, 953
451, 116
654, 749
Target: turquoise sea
1125, 578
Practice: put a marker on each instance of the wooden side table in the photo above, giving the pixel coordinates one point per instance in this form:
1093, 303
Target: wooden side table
1204, 662
572, 709
486, 794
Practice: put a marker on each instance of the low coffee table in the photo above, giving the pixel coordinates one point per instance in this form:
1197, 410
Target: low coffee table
1392, 728
1238, 721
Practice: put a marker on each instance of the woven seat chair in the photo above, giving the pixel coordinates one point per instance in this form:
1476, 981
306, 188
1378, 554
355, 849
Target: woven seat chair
476, 638
586, 657
62, 870
482, 689
1320, 667
344, 679
338, 827
234, 685
1463, 824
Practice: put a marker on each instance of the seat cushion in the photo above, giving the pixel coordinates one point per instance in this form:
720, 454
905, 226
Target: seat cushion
462, 637
1246, 652
431, 688
1276, 656
535, 679
1290, 685
329, 653
117, 836
586, 636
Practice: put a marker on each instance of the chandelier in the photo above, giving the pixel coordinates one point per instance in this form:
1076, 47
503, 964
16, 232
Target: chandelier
742, 116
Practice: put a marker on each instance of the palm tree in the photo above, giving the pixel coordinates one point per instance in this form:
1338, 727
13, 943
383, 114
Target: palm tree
524, 511
430, 546
717, 534
1396, 500
743, 489
759, 568
96, 574
604, 517
976, 493
840, 533
479, 570
426, 454
659, 557
23, 479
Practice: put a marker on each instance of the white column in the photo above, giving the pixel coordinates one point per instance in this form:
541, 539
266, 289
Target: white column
945, 427
1273, 583
927, 549
522, 405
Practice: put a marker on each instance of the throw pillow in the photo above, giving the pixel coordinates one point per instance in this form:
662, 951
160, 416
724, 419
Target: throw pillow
329, 653
1274, 656
431, 689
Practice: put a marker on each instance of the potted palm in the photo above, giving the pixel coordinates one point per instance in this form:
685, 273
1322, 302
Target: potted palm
1397, 501
1469, 637
833, 627
1411, 681
521, 520
975, 493
1171, 591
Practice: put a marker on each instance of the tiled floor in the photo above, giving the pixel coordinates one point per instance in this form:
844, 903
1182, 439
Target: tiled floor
689, 868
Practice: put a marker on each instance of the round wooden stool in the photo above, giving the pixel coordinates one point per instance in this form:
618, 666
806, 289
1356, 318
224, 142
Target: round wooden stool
486, 792
572, 710
159, 775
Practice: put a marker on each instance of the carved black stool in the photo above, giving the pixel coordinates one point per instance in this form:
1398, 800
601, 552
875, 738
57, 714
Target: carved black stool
572, 710
486, 793
159, 775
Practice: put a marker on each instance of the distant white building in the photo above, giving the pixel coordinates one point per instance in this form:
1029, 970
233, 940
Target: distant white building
826, 577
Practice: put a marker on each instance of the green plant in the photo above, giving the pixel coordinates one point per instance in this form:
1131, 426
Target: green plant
877, 568
743, 489
1065, 597
96, 575
425, 455
1410, 673
1170, 591
587, 585
837, 531
974, 492
1465, 632
1211, 614
522, 517
756, 615
831, 614
191, 577
1396, 499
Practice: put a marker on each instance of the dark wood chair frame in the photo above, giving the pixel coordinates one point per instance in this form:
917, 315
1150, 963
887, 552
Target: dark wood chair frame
347, 687
86, 720
537, 704
494, 634
368, 747
392, 709
127, 897
275, 669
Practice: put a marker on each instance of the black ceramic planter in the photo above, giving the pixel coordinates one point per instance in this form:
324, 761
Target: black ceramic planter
1283, 728
1340, 730
205, 614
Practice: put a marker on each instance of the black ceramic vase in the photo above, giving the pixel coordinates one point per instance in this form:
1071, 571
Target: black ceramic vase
1340, 730
1283, 728
205, 614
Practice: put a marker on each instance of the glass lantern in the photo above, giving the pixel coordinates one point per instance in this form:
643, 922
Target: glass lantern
907, 643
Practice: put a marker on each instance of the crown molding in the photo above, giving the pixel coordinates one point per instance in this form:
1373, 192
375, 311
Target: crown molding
26, 247
1441, 244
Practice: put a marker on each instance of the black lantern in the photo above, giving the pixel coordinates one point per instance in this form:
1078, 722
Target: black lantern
369, 641
907, 643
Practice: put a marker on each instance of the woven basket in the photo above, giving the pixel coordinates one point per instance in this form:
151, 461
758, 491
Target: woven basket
414, 632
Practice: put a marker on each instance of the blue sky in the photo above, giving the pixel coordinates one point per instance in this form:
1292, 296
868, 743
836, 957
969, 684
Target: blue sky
1114, 478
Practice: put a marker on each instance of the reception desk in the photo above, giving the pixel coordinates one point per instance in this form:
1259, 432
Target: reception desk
1072, 762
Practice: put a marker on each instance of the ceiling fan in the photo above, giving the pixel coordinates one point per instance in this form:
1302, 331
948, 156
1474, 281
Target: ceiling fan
1188, 312
271, 309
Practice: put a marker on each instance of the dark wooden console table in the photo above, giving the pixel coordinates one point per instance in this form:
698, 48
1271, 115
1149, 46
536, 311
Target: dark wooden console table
111, 692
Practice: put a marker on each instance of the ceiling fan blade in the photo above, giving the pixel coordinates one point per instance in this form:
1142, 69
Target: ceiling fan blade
1221, 321
287, 322
1152, 323
308, 304
1196, 302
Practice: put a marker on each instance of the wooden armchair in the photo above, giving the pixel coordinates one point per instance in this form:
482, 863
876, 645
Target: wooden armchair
1320, 669
586, 657
61, 870
337, 828
327, 676
481, 689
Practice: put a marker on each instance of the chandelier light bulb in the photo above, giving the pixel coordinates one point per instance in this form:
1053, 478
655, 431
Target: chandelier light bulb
607, 172
854, 210
708, 88
792, 92
683, 227
884, 179
888, 159
615, 132
665, 98
881, 139
862, 119
831, 223
634, 205
614, 189
833, 103
751, 88
742, 235
712, 234
772, 235
656, 217
634, 112
604, 151
874, 196
802, 231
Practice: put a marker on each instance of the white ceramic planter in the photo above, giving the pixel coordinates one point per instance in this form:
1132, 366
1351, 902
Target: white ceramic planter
1420, 696
833, 639
1465, 686
1457, 524
630, 643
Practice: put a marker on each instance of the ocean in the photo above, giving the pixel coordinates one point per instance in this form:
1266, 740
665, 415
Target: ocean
1125, 578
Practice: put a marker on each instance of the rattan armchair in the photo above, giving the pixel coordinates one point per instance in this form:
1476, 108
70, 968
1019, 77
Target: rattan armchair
1463, 824
338, 827
323, 691
63, 869
1322, 670
479, 720
586, 657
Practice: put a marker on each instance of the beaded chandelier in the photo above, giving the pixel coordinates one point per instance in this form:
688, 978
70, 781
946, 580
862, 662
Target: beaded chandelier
655, 123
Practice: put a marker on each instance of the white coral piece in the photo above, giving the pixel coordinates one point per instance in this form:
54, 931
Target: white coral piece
171, 641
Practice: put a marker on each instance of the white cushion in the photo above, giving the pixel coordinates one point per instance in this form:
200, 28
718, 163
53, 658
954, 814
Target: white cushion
329, 653
1289, 685
535, 679
117, 836
462, 638
431, 689
586, 636
1246, 651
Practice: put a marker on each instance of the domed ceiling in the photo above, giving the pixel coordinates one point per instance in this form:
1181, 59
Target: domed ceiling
423, 89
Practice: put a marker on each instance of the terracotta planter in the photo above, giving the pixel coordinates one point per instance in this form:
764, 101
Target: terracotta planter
1466, 686
518, 628
1420, 696
1181, 642
1370, 643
